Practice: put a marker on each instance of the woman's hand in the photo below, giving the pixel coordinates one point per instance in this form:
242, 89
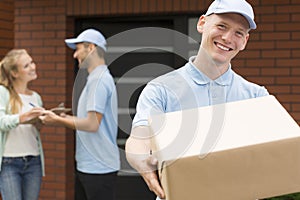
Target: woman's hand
31, 116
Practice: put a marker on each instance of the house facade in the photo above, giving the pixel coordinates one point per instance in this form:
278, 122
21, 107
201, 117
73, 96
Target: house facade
135, 56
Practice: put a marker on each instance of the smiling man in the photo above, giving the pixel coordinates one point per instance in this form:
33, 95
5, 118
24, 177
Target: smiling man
207, 79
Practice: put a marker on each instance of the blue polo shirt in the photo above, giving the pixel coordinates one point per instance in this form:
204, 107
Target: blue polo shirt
187, 87
98, 153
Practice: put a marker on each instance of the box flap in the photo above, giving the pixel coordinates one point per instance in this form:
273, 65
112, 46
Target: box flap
221, 127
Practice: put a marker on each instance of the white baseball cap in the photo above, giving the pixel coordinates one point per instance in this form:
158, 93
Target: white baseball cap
89, 35
233, 6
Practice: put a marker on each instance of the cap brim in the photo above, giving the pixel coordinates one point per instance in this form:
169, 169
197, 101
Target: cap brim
252, 24
71, 43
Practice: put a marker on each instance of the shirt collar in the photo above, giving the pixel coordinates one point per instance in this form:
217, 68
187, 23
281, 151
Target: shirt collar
201, 79
98, 70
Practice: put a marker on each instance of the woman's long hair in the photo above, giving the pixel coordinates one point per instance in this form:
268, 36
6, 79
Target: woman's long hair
7, 65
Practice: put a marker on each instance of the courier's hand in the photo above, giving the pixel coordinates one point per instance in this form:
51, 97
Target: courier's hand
49, 118
151, 178
139, 155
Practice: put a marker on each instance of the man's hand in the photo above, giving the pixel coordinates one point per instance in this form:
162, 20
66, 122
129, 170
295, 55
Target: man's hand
137, 148
49, 118
151, 177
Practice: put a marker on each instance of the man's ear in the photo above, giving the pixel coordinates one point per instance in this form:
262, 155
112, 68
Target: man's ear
91, 46
201, 23
245, 42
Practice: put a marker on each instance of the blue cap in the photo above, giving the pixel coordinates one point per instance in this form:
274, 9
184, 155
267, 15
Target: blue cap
237, 6
89, 35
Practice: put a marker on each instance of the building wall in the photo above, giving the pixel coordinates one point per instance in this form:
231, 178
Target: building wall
40, 27
272, 58
6, 26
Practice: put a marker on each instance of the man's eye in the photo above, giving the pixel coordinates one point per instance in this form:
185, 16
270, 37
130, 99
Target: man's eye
221, 26
240, 34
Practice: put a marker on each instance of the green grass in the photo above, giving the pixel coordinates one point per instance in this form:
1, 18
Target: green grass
295, 196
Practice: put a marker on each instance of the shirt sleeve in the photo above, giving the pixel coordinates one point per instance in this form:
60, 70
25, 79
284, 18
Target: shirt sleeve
150, 102
7, 121
262, 92
98, 92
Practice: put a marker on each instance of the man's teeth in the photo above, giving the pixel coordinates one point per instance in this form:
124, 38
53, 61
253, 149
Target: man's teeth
223, 48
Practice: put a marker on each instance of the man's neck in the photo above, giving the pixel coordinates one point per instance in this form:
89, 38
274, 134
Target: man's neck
209, 67
95, 63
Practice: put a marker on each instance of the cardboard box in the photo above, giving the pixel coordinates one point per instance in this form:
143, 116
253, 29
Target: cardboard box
242, 150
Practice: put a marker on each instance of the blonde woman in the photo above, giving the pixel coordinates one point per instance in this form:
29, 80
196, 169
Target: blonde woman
21, 154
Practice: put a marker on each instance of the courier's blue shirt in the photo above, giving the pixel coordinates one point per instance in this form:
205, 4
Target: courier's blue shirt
98, 153
187, 87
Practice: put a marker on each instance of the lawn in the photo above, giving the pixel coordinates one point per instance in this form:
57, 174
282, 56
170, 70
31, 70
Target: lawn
295, 196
